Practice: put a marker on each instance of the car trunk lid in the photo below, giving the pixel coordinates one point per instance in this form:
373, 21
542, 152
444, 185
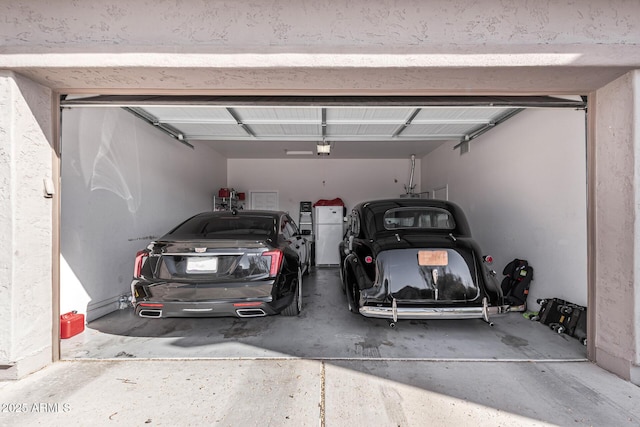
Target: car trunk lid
212, 260
429, 275
211, 270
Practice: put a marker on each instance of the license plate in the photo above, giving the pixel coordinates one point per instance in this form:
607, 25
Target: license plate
202, 264
433, 258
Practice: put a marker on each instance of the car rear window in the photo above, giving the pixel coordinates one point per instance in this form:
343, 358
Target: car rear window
418, 217
231, 225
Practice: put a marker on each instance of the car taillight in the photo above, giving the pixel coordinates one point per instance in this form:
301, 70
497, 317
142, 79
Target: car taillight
247, 304
276, 261
137, 269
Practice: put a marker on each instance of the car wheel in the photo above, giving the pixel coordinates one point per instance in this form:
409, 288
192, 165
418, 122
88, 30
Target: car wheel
295, 307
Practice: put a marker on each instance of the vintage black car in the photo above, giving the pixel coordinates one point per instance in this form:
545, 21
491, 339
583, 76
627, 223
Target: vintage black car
234, 263
414, 258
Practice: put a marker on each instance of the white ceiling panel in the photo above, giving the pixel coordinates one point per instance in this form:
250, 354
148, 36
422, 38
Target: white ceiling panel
280, 115
362, 130
191, 114
370, 114
286, 131
208, 131
437, 130
440, 114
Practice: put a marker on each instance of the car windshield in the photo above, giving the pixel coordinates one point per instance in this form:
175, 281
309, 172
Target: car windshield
231, 225
418, 217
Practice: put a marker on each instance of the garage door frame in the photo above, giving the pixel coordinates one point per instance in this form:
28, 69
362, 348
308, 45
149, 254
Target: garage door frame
131, 99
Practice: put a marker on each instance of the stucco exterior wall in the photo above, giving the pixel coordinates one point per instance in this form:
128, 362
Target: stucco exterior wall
316, 23
322, 47
25, 226
346, 45
617, 237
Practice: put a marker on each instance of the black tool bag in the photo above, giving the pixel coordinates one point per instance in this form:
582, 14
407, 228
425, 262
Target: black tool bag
564, 317
575, 323
515, 285
550, 313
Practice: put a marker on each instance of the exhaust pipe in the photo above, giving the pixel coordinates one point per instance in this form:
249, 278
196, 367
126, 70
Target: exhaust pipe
250, 312
150, 313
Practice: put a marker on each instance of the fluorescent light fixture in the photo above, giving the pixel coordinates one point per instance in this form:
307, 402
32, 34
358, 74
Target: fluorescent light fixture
324, 149
298, 153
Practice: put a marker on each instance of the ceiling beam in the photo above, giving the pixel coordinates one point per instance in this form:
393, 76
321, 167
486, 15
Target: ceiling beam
407, 123
244, 126
168, 129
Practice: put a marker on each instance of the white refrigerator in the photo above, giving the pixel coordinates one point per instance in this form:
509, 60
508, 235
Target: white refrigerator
329, 222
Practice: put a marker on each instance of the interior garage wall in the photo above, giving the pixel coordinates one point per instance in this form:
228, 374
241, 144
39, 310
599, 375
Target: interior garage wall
123, 184
296, 180
523, 187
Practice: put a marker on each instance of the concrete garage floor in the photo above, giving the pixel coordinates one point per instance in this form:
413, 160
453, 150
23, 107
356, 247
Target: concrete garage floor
324, 330
326, 368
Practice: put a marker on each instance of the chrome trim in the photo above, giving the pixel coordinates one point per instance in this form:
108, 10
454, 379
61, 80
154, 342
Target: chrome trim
250, 312
207, 254
197, 309
147, 313
395, 313
485, 309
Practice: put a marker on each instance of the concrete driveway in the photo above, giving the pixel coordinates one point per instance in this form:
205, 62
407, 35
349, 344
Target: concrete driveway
326, 368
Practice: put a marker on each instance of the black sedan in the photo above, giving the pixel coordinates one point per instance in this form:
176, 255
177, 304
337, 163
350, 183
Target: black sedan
415, 259
232, 263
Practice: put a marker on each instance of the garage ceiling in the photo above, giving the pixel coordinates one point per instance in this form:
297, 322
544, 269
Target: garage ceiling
298, 127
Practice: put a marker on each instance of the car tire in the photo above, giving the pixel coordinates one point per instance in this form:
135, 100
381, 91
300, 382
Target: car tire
295, 307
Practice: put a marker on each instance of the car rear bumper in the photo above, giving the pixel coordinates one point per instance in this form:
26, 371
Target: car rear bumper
192, 299
394, 313
205, 309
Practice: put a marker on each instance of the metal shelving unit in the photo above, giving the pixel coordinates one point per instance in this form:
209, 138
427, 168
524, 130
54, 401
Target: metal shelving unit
227, 203
305, 219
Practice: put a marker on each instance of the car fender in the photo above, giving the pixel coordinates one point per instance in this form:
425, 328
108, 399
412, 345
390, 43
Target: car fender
492, 285
353, 268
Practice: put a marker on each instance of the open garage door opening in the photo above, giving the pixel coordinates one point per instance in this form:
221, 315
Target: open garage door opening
134, 167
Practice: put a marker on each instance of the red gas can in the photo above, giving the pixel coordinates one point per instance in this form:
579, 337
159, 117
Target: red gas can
71, 324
